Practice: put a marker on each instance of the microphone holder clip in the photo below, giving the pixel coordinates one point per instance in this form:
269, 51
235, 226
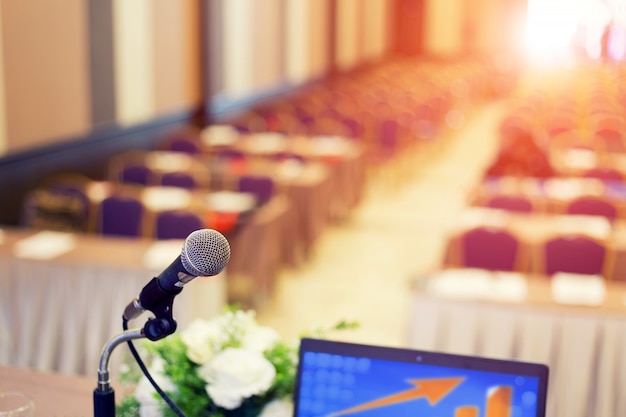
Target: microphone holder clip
163, 323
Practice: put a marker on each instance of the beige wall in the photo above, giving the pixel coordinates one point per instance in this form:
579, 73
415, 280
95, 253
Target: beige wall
297, 60
444, 23
134, 57
348, 26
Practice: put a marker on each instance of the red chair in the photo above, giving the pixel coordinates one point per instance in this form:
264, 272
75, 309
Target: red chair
121, 215
186, 140
576, 254
605, 174
490, 248
261, 186
137, 174
593, 206
179, 179
176, 224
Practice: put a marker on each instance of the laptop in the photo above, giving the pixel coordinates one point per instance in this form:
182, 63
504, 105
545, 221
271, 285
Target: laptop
346, 379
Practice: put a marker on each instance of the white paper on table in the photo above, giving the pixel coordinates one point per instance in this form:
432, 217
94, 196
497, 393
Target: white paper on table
482, 216
168, 161
230, 201
269, 142
330, 145
216, 135
595, 226
508, 286
564, 188
479, 284
166, 198
580, 289
580, 158
464, 283
161, 253
45, 245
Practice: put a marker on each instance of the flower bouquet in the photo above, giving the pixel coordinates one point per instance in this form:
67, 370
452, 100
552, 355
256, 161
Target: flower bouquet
229, 366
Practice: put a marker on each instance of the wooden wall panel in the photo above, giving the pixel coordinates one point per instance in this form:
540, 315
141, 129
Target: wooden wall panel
3, 120
46, 80
176, 64
444, 29
319, 32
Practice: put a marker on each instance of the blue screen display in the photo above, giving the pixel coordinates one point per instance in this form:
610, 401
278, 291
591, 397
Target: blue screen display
332, 385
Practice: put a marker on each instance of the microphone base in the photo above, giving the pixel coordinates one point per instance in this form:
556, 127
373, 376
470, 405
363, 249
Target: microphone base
104, 403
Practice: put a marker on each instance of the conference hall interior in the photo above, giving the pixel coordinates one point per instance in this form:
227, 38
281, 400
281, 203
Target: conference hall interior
447, 174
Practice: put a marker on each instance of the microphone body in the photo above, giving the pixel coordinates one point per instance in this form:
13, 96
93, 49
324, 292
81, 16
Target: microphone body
205, 253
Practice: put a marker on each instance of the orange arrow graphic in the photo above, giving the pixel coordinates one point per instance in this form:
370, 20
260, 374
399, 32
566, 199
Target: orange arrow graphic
431, 389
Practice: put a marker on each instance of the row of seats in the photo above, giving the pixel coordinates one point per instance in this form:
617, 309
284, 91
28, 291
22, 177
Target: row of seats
555, 122
571, 121
590, 205
501, 249
81, 205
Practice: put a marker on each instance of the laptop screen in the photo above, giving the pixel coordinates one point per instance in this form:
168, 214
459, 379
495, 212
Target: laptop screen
345, 379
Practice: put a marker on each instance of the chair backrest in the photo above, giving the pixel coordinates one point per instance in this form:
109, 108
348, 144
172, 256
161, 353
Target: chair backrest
186, 140
605, 174
229, 154
137, 174
121, 215
185, 145
261, 186
490, 248
513, 203
56, 207
176, 224
574, 254
592, 205
179, 179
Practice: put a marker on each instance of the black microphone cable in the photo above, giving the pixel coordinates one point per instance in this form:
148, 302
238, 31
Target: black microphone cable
145, 371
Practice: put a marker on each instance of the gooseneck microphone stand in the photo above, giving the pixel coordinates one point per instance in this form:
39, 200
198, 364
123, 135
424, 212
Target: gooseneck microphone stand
104, 395
158, 327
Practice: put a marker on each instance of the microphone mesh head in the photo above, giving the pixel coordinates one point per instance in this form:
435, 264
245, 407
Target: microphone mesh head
205, 253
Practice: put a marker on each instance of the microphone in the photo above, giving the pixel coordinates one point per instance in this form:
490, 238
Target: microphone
205, 253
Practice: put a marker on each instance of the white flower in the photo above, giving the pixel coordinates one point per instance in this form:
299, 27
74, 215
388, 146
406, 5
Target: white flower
278, 408
145, 393
236, 374
201, 339
260, 338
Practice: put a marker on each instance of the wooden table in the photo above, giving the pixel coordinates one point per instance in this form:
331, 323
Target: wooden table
54, 395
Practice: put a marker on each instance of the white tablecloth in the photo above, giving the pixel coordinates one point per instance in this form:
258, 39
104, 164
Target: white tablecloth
57, 314
585, 347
